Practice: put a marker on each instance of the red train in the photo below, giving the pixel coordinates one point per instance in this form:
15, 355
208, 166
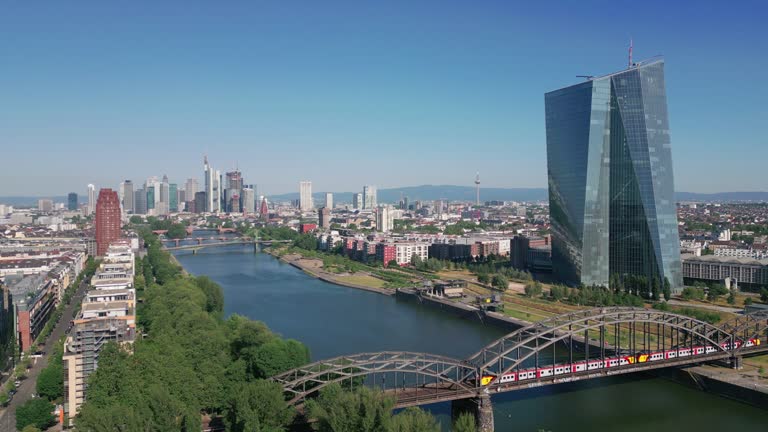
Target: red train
588, 365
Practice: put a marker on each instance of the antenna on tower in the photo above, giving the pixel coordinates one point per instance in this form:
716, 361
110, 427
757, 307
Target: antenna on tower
630, 53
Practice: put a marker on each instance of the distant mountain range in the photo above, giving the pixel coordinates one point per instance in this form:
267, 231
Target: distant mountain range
467, 193
445, 192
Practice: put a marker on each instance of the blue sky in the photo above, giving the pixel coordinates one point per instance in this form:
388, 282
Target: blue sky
345, 93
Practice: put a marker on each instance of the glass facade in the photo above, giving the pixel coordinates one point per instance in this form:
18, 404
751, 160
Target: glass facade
611, 188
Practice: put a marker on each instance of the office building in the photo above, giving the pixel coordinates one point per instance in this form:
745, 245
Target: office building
305, 196
324, 217
107, 220
173, 197
357, 201
72, 203
208, 183
140, 202
192, 188
329, 200
249, 200
91, 199
611, 188
201, 200
369, 197
126, 196
45, 205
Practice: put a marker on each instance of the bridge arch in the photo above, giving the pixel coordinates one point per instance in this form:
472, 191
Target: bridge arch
513, 350
449, 373
753, 325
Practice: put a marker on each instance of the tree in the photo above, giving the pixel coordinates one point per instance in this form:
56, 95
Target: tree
414, 420
465, 422
716, 291
731, 298
667, 289
176, 231
748, 301
257, 406
36, 412
30, 428
764, 295
415, 260
500, 282
276, 356
533, 289
361, 410
393, 263
136, 220
483, 278
50, 382
655, 289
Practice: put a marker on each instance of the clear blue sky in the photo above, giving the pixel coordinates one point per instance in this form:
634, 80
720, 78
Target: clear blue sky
345, 93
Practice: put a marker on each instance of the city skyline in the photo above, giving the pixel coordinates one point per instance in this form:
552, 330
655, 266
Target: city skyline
411, 86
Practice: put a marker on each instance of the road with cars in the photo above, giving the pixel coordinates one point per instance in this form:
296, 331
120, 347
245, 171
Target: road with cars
27, 387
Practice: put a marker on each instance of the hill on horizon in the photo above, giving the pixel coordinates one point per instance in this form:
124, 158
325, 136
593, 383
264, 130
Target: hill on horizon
435, 192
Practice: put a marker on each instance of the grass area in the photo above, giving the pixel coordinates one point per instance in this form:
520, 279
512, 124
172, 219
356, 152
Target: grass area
364, 280
758, 362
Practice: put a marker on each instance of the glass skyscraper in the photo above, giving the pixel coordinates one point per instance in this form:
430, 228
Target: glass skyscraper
611, 189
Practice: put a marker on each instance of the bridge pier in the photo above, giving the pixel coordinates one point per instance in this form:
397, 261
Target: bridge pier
480, 406
737, 362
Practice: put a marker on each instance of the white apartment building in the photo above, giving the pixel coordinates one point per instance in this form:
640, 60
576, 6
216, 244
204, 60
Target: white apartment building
404, 251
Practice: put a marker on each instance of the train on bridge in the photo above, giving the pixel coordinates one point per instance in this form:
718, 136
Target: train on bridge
599, 364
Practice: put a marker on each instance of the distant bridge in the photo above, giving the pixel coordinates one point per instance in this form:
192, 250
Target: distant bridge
625, 340
209, 242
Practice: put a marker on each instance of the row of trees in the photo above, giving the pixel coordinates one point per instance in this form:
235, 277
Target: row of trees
191, 362
366, 410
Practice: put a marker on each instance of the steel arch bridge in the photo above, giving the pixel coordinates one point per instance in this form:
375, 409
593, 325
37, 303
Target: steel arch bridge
574, 346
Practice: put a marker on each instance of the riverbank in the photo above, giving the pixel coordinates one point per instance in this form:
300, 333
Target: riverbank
313, 268
744, 385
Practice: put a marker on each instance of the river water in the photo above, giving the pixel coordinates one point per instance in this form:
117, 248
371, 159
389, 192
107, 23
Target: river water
333, 320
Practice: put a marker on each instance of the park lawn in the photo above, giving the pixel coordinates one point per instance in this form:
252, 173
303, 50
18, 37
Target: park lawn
364, 280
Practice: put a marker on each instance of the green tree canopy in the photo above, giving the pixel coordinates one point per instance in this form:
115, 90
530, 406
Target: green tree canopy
36, 412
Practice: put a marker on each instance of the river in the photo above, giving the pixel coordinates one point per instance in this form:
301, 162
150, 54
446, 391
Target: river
333, 320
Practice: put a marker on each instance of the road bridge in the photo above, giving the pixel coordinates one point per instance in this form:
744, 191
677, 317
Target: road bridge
627, 340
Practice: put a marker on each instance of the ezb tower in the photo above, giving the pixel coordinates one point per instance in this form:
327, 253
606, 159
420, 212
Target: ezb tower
611, 188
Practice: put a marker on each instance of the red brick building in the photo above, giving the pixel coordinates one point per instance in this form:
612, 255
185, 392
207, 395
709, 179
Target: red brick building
307, 227
108, 222
385, 253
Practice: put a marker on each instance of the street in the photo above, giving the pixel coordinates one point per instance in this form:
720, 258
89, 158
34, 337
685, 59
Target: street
28, 386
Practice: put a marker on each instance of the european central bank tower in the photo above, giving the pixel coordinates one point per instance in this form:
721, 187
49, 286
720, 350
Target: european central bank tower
611, 188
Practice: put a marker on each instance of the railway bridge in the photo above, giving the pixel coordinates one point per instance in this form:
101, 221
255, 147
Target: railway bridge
621, 340
210, 242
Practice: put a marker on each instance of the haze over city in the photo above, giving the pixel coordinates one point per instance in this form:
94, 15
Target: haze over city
97, 92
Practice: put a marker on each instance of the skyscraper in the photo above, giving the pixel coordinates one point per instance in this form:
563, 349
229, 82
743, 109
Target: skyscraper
305, 195
369, 197
208, 184
192, 188
357, 201
611, 188
107, 220
140, 202
72, 201
328, 200
233, 194
173, 197
91, 199
126, 196
249, 200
